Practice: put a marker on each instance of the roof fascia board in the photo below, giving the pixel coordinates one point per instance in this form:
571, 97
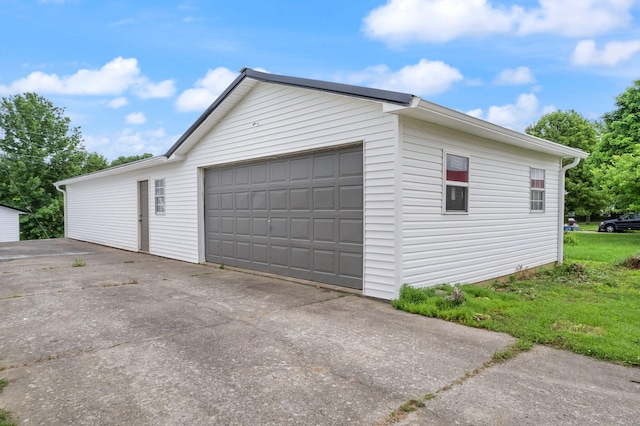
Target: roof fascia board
459, 121
379, 95
20, 211
133, 166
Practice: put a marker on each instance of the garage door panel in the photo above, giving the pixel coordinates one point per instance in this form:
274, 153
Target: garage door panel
212, 179
260, 227
324, 166
242, 175
243, 226
278, 199
324, 229
351, 231
300, 258
243, 200
243, 251
228, 249
299, 216
278, 172
226, 201
279, 255
259, 174
300, 170
324, 261
300, 199
228, 225
260, 253
258, 200
226, 177
351, 197
324, 198
278, 227
213, 247
213, 201
350, 264
213, 225
300, 228
351, 164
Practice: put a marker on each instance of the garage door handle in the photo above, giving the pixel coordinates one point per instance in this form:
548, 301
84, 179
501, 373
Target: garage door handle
269, 227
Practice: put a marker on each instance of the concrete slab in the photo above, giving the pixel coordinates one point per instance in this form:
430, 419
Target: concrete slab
541, 387
131, 338
136, 339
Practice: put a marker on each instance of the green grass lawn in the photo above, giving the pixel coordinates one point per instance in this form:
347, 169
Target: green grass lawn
589, 305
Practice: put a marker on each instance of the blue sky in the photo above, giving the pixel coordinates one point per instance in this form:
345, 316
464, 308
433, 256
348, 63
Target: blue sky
134, 75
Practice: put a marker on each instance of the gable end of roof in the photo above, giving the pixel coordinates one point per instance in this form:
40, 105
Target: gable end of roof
13, 208
378, 95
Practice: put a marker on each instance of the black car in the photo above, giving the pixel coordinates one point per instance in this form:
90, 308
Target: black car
630, 221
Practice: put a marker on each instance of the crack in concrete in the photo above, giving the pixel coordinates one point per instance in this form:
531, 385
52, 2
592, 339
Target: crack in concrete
91, 350
401, 413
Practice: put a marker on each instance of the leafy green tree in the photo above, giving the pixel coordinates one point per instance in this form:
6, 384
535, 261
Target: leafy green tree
94, 162
38, 147
621, 178
617, 156
571, 129
129, 159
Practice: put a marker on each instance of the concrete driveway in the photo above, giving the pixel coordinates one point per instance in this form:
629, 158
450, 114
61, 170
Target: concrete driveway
136, 339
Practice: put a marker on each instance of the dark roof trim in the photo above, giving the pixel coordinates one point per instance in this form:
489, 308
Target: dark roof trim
205, 114
13, 208
388, 96
379, 95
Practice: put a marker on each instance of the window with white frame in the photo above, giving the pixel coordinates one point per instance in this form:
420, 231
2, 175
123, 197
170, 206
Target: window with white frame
456, 184
159, 196
537, 190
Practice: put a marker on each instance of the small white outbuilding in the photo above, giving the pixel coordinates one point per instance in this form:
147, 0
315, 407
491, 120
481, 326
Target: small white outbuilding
340, 184
10, 223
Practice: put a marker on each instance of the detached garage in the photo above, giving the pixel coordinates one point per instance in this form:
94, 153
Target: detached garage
351, 186
10, 223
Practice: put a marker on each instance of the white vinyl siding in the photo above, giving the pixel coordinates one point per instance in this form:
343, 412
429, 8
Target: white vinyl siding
407, 238
498, 236
277, 120
9, 225
271, 120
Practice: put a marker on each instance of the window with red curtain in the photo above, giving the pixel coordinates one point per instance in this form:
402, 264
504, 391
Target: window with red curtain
456, 184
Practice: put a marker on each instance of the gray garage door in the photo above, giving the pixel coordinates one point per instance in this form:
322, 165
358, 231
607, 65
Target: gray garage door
299, 216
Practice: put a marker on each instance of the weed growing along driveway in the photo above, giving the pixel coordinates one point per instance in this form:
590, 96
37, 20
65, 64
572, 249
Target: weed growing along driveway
589, 305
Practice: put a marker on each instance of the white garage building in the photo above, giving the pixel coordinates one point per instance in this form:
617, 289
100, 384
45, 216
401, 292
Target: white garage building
10, 223
346, 185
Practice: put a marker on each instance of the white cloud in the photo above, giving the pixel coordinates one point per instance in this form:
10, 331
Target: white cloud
130, 142
136, 118
118, 102
206, 90
424, 78
613, 53
514, 116
404, 21
114, 78
514, 77
147, 90
576, 18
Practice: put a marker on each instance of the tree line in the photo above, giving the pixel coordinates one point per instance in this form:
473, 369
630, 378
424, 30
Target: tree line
38, 146
608, 181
